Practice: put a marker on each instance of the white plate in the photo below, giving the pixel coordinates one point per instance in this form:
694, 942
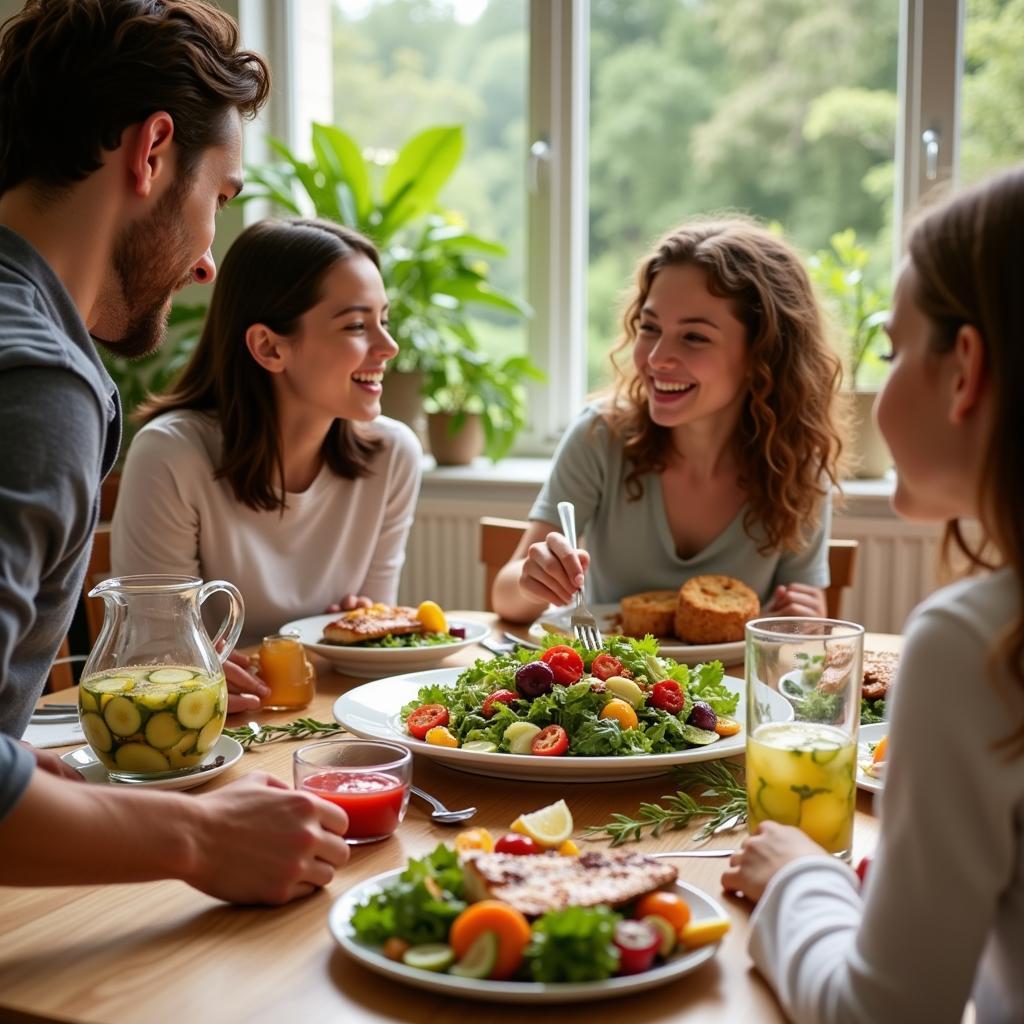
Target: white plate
869, 734
607, 616
370, 662
92, 769
373, 711
701, 905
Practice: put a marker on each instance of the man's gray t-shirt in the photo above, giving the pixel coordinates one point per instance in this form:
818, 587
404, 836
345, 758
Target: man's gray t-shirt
59, 435
630, 542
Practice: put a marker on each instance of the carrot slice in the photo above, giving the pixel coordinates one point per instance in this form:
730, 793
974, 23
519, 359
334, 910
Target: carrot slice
510, 926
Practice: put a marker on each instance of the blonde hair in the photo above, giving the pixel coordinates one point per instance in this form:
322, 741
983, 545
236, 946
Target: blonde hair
789, 440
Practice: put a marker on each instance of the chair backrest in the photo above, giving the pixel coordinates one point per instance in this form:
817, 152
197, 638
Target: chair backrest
499, 539
97, 569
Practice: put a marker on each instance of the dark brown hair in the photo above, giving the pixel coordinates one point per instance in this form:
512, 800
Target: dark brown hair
789, 438
967, 256
272, 274
74, 74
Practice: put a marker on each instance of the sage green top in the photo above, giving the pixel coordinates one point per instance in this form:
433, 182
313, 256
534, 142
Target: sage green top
630, 542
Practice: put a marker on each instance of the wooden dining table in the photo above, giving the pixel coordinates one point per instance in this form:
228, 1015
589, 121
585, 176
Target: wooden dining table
162, 952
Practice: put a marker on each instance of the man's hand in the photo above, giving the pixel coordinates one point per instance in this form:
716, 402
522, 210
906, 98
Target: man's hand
763, 854
51, 763
259, 841
246, 691
347, 603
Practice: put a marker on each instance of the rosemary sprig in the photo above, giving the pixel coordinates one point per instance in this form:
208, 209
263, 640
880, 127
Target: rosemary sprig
300, 729
722, 800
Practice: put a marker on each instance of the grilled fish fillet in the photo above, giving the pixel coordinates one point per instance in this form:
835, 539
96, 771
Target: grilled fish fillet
879, 672
372, 623
549, 881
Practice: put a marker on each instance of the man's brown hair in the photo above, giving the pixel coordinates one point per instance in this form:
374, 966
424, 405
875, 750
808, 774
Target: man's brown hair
74, 74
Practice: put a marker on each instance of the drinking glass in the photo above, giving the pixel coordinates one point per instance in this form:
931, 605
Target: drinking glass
802, 749
285, 668
368, 779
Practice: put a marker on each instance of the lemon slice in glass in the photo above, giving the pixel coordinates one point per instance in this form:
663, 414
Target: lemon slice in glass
430, 614
550, 826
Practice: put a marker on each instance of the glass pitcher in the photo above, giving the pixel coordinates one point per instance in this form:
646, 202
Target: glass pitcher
152, 698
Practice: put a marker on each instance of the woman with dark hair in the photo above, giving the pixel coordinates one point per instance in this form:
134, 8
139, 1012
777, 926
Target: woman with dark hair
716, 448
941, 917
268, 463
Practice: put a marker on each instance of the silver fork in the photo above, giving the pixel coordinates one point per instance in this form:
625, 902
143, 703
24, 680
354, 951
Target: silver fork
584, 625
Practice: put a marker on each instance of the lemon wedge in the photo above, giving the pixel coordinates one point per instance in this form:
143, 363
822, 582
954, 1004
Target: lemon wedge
430, 614
701, 933
550, 826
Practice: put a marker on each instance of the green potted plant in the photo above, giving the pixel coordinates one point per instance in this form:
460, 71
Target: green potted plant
434, 267
860, 310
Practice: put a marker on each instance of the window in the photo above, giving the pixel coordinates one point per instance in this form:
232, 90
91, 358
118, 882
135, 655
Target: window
594, 125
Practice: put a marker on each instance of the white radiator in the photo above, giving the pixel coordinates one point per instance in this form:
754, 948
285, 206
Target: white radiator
896, 565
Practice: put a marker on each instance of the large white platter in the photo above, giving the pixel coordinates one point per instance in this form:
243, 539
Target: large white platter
607, 619
373, 711
869, 734
91, 768
371, 662
702, 907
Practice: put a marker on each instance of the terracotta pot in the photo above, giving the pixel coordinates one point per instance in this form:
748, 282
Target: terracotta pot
871, 457
401, 400
458, 449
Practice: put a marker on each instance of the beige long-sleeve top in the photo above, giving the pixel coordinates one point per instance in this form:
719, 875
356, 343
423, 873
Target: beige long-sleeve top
337, 537
942, 917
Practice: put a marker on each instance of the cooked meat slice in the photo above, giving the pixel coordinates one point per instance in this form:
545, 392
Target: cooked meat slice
372, 623
879, 673
548, 881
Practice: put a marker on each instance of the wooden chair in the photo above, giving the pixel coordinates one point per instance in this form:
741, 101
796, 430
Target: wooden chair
98, 569
499, 539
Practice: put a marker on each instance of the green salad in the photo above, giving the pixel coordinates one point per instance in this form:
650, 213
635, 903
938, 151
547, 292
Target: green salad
412, 640
565, 700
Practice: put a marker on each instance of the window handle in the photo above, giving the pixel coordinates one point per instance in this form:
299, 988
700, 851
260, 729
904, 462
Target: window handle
930, 141
540, 154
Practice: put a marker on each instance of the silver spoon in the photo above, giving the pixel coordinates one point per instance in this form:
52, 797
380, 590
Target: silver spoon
440, 813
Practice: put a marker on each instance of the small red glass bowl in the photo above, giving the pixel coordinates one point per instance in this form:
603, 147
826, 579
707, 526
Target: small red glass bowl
367, 779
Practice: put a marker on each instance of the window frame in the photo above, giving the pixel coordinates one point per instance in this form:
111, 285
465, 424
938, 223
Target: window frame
930, 73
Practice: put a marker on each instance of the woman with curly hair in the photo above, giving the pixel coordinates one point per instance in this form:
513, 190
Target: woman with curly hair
717, 446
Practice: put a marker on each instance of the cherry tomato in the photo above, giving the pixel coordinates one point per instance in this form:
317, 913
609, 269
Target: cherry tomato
518, 845
498, 697
622, 711
667, 905
637, 944
425, 718
565, 662
605, 666
668, 696
550, 742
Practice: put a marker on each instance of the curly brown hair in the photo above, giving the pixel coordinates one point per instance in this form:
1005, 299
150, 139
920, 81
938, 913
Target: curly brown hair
789, 440
74, 74
967, 254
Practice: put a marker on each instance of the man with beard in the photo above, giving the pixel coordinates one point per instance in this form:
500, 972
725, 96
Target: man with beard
120, 139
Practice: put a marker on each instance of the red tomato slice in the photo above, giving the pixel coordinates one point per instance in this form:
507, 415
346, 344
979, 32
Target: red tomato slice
667, 696
565, 662
424, 718
498, 697
604, 666
550, 742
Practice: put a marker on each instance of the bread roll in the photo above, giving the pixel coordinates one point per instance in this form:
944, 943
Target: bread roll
649, 612
714, 609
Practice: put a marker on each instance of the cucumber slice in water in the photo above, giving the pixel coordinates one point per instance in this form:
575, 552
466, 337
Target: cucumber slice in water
430, 956
197, 707
87, 700
779, 805
118, 684
171, 675
137, 757
122, 717
822, 755
97, 734
163, 730
210, 734
480, 958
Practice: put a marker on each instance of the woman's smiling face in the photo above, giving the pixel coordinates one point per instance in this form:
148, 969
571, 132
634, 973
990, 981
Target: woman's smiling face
336, 358
690, 349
